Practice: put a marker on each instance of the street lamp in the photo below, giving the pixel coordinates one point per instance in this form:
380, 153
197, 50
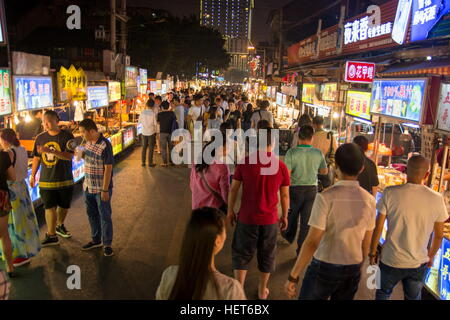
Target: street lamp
251, 48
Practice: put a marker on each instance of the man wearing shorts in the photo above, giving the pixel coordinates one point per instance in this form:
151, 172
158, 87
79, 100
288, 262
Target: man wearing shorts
56, 179
257, 220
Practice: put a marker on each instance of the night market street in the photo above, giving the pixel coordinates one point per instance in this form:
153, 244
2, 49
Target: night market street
150, 209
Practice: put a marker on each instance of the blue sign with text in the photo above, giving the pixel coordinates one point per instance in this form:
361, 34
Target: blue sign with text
33, 92
97, 97
425, 15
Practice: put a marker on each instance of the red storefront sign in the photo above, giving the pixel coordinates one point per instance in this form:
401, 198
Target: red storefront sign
361, 72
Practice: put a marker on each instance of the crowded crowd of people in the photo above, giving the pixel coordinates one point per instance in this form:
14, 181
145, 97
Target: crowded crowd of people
326, 194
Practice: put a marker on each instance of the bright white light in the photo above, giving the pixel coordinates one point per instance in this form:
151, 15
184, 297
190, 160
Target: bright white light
429, 58
16, 120
27, 118
335, 115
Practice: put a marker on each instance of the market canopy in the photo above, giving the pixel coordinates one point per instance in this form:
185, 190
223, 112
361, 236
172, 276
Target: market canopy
441, 67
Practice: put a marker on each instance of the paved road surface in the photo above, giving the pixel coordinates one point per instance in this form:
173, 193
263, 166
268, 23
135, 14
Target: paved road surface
150, 209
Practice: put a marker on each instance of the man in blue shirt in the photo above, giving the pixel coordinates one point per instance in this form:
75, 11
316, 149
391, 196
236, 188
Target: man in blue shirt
97, 186
304, 163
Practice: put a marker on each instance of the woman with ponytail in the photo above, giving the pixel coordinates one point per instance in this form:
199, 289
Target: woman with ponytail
196, 276
22, 225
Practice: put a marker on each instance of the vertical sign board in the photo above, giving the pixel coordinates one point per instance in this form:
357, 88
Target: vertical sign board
443, 117
5, 92
358, 104
425, 14
3, 36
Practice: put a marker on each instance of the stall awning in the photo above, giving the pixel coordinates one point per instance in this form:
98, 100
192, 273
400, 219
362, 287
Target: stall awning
441, 67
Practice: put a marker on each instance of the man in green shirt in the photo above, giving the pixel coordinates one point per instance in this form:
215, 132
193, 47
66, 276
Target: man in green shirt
304, 163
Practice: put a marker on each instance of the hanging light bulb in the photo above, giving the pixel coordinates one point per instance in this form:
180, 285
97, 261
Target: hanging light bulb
16, 119
27, 118
335, 115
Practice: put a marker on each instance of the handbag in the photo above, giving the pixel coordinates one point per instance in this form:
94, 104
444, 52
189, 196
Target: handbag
224, 206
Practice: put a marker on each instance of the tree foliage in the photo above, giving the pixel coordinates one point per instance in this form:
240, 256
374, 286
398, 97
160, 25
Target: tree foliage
175, 45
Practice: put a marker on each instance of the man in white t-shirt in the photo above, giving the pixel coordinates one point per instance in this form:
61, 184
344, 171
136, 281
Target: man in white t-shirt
196, 113
178, 108
414, 212
341, 225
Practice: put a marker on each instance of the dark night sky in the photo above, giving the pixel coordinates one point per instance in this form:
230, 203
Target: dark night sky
187, 7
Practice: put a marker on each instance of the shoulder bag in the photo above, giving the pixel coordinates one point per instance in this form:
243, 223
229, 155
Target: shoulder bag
223, 207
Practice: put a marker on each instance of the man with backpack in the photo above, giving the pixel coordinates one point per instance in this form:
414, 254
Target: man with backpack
166, 120
325, 142
262, 114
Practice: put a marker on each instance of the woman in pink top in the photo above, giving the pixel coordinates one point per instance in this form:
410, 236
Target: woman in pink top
210, 184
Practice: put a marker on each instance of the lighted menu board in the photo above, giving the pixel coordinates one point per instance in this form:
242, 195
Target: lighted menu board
114, 91
279, 98
358, 104
97, 97
131, 75
143, 76
33, 92
116, 142
329, 92
269, 92
399, 98
443, 118
5, 92
309, 92
284, 100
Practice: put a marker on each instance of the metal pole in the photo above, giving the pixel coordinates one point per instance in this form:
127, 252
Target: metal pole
123, 27
113, 27
392, 144
444, 165
376, 142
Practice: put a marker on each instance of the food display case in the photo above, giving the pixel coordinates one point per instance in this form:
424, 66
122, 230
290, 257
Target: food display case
390, 177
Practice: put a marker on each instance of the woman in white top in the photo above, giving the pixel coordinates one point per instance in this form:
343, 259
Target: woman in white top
23, 226
196, 276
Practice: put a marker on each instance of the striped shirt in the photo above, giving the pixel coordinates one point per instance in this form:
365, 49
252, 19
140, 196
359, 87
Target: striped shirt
4, 286
96, 156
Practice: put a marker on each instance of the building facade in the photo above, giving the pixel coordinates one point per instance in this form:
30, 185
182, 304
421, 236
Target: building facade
233, 18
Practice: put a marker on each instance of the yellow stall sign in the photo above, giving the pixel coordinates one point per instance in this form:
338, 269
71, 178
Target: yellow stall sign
72, 84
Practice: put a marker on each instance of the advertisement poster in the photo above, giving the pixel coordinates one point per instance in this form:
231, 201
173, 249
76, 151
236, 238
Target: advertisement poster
131, 75
5, 92
128, 137
329, 92
114, 91
33, 92
309, 92
358, 104
437, 279
425, 15
443, 118
97, 97
269, 92
399, 98
284, 100
279, 98
71, 84
153, 86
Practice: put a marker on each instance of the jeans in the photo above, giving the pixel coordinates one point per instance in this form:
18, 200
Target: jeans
148, 142
325, 281
412, 280
301, 202
99, 213
165, 139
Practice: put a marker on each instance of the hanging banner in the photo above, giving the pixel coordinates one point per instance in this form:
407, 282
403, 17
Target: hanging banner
5, 92
399, 98
359, 72
32, 92
309, 92
358, 104
443, 118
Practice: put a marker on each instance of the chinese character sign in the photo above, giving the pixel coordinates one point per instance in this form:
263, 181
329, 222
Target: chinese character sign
97, 97
360, 30
5, 92
402, 98
361, 72
131, 75
33, 92
425, 15
72, 84
443, 119
114, 91
329, 92
358, 104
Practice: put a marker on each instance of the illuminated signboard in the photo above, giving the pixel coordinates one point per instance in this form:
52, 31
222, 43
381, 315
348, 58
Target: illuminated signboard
358, 104
309, 92
97, 97
399, 98
2, 24
279, 99
329, 92
71, 84
128, 137
443, 118
114, 91
360, 30
116, 142
131, 75
5, 92
425, 14
143, 76
359, 72
153, 86
269, 92
33, 92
